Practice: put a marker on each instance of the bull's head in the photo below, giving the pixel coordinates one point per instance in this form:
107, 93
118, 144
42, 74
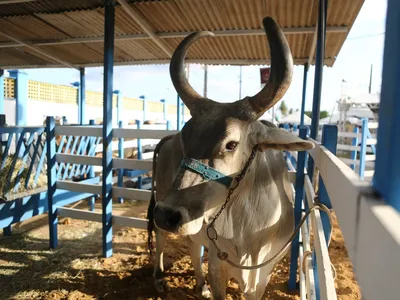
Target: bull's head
221, 136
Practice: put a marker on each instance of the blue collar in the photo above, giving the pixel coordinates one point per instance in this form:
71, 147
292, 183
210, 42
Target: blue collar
207, 172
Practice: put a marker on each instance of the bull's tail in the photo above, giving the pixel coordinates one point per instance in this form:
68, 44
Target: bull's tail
150, 216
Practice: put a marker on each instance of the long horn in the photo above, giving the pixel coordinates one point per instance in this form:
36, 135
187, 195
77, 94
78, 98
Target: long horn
281, 71
177, 71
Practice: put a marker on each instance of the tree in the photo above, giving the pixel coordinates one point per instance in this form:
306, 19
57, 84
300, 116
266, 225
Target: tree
283, 108
322, 114
290, 111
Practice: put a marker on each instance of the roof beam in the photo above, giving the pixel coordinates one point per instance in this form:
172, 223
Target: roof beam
236, 62
41, 51
314, 39
136, 16
15, 1
167, 35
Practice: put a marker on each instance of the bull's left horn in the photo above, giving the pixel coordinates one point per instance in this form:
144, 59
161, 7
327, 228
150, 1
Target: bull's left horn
177, 71
281, 71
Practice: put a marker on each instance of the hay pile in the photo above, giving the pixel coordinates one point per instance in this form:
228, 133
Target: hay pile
19, 165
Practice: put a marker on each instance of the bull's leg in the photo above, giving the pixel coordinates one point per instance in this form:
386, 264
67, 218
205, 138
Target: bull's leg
263, 279
201, 286
217, 275
158, 275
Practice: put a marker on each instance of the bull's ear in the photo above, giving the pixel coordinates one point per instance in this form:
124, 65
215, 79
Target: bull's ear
279, 139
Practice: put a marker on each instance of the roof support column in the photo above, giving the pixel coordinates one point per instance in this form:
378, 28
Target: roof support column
107, 126
82, 99
178, 112
1, 92
21, 97
387, 176
119, 105
303, 100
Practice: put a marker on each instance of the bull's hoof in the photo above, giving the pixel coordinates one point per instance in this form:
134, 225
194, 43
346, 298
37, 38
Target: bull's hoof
203, 291
161, 286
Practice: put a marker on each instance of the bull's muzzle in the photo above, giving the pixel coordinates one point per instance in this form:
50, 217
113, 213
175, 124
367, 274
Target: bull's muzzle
167, 218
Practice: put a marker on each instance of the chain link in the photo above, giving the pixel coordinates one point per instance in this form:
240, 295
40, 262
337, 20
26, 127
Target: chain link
236, 181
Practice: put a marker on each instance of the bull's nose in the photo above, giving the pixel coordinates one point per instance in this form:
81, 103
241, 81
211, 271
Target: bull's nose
167, 218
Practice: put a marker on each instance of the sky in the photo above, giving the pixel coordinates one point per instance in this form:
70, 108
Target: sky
363, 47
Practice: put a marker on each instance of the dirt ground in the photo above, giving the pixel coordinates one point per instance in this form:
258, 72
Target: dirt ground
76, 270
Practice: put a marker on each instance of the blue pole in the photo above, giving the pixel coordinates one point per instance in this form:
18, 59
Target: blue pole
51, 180
107, 126
386, 179
1, 91
121, 155
139, 153
91, 170
363, 150
299, 187
329, 140
21, 97
319, 65
303, 100
82, 98
178, 113
165, 109
169, 126
353, 155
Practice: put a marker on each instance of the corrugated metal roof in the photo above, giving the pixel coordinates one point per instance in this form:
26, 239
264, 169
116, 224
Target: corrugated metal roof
66, 21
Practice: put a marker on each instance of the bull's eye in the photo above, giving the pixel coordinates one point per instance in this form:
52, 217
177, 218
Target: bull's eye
231, 146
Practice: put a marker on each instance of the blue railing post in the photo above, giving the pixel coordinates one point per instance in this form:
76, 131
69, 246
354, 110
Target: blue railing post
329, 141
165, 109
353, 154
109, 22
299, 187
82, 97
303, 98
91, 170
21, 96
51, 180
1, 91
178, 113
169, 125
363, 151
144, 107
139, 154
387, 164
119, 105
121, 155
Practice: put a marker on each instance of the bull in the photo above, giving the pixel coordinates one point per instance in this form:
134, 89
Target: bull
225, 153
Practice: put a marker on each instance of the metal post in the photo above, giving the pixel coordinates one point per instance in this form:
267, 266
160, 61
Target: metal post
183, 114
329, 141
363, 150
165, 109
1, 91
169, 125
51, 180
299, 187
139, 154
92, 200
353, 154
205, 81
119, 105
321, 32
82, 99
144, 107
121, 155
303, 100
107, 126
387, 176
240, 83
21, 97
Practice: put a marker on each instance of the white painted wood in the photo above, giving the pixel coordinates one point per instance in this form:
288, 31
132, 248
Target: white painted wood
373, 125
326, 283
79, 214
95, 131
370, 157
132, 164
372, 141
343, 186
148, 155
130, 222
309, 272
369, 173
79, 159
348, 147
78, 187
349, 134
349, 161
290, 165
377, 256
302, 281
292, 176
133, 194
142, 133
